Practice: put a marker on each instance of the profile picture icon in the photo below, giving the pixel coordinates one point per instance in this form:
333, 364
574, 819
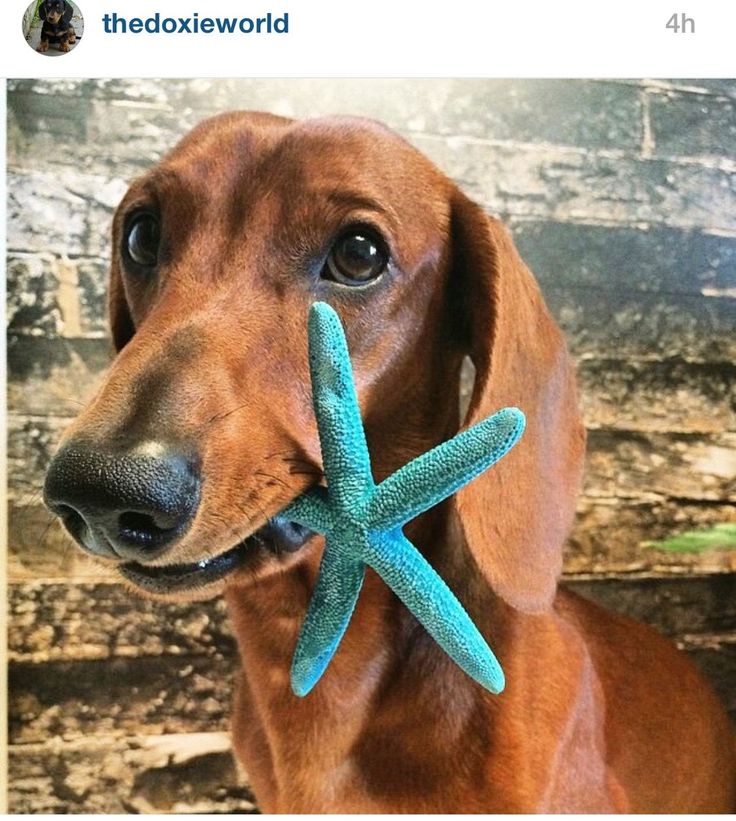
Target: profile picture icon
52, 27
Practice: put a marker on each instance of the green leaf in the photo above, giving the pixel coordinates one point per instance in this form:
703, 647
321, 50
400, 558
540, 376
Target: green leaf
719, 537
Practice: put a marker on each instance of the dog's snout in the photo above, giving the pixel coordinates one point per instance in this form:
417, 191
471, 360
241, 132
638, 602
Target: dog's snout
131, 505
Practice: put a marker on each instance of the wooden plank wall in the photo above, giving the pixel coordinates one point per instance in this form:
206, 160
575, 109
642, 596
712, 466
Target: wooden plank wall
621, 197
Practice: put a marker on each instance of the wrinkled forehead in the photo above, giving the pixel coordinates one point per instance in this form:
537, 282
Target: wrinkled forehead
326, 152
245, 159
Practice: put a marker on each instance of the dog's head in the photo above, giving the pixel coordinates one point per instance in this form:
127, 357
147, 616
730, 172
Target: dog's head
55, 11
203, 430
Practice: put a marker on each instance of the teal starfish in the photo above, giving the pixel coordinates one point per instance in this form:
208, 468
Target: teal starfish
362, 521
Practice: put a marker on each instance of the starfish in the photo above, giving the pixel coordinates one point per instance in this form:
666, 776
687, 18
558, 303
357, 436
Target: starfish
362, 522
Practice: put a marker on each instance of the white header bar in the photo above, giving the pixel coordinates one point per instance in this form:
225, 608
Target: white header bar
463, 38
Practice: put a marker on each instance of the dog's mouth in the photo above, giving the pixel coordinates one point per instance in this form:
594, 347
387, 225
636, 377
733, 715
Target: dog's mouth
277, 537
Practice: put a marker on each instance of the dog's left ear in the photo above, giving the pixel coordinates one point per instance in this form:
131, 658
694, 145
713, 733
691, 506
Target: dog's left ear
515, 517
122, 327
66, 17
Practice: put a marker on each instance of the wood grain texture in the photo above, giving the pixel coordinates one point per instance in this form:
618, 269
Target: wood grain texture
621, 196
133, 716
185, 773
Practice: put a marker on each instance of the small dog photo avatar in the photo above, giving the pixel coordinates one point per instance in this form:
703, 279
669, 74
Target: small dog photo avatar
52, 27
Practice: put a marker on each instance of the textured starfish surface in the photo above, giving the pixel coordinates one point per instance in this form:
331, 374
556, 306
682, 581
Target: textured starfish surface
362, 521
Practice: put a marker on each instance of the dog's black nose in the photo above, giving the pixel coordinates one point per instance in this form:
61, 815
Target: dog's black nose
131, 505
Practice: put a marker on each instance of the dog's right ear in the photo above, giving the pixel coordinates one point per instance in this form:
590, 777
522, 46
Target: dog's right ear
42, 11
516, 516
121, 322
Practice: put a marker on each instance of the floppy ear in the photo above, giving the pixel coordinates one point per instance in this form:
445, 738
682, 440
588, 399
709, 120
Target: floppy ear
66, 17
42, 11
516, 516
121, 323
118, 312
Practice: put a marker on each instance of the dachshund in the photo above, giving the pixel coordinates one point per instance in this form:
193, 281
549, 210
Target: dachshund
57, 25
203, 431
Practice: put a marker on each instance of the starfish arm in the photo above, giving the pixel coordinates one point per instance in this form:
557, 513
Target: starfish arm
342, 438
437, 474
328, 615
427, 596
310, 510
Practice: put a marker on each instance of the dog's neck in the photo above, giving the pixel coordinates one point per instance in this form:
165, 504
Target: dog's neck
388, 680
320, 739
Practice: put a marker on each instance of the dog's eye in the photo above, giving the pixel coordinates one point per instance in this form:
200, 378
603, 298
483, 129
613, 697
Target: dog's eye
142, 240
357, 257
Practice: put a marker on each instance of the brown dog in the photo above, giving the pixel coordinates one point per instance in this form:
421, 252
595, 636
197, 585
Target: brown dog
204, 431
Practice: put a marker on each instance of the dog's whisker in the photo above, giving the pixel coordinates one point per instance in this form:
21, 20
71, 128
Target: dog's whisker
30, 498
290, 454
47, 531
316, 474
273, 478
23, 511
218, 417
297, 459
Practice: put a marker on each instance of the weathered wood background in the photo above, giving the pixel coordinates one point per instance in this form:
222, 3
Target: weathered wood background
622, 198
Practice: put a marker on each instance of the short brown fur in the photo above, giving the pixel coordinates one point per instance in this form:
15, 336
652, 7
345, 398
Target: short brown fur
600, 713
